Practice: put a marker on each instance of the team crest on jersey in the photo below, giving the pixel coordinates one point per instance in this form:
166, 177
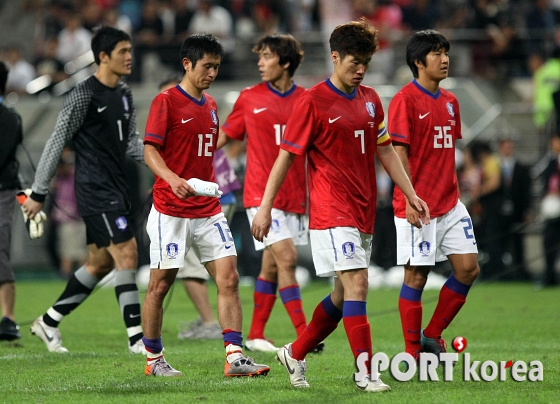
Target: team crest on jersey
125, 103
274, 225
121, 223
450, 109
370, 109
172, 250
348, 249
424, 247
214, 117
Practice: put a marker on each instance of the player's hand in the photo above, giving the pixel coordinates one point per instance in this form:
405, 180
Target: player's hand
417, 212
180, 188
261, 224
33, 216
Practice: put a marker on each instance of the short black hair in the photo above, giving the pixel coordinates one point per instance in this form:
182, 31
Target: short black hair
354, 38
3, 77
285, 46
105, 39
197, 45
422, 43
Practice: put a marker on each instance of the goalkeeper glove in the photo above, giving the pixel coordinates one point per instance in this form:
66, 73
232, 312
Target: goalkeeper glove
205, 188
34, 226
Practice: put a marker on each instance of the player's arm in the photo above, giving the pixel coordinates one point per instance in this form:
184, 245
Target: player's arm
155, 162
402, 151
394, 167
68, 123
135, 146
263, 218
223, 139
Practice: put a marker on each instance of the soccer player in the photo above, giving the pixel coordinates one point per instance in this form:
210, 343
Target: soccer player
260, 114
193, 274
424, 124
339, 125
181, 136
98, 117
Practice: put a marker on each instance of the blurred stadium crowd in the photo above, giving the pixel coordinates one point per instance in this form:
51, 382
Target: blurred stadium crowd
497, 38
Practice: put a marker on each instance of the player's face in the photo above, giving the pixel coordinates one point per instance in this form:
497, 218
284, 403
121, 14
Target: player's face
437, 65
269, 66
204, 73
120, 61
351, 70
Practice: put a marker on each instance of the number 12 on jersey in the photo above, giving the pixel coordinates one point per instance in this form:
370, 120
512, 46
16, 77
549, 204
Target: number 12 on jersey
204, 147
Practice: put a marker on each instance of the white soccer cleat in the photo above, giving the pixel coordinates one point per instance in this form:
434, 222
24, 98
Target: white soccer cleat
296, 369
159, 367
137, 348
50, 335
372, 386
260, 345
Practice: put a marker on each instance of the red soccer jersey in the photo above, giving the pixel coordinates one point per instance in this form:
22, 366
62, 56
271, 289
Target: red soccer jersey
340, 134
261, 113
430, 124
186, 131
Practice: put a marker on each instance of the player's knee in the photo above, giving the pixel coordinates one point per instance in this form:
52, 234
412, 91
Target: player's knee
158, 290
227, 281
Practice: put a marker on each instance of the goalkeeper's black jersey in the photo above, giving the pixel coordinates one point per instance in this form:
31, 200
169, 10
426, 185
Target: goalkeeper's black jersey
101, 124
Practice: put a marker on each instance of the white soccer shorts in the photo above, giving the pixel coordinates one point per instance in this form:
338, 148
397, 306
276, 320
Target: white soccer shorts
449, 234
171, 238
339, 249
285, 225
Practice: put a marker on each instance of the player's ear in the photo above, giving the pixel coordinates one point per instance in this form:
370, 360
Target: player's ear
419, 64
104, 57
186, 64
335, 56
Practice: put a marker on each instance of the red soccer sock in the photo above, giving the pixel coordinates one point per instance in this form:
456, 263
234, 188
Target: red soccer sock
291, 297
451, 298
324, 321
357, 328
410, 309
264, 297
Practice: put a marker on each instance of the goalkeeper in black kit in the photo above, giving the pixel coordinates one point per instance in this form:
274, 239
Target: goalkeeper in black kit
98, 117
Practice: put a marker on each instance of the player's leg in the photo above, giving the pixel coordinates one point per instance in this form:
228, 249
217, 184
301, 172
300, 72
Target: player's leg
410, 306
352, 271
152, 318
215, 248
264, 297
78, 288
455, 239
170, 240
125, 255
416, 250
285, 255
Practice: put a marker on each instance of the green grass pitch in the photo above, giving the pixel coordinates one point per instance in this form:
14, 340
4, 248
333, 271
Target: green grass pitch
499, 321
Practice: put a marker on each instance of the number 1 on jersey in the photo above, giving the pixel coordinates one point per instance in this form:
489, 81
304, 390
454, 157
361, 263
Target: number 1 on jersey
279, 132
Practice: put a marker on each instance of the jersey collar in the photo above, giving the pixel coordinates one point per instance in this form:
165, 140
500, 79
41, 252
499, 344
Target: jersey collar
1, 99
434, 96
278, 93
342, 93
202, 100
